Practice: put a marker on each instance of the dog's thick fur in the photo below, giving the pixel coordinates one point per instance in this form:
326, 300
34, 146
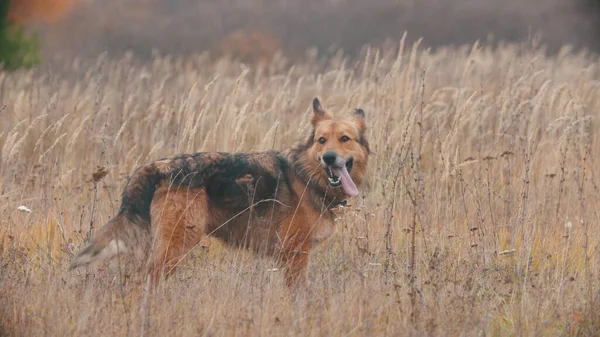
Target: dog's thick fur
275, 202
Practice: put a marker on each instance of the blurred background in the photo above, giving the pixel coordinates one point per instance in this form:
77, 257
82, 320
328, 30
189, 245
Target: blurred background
253, 30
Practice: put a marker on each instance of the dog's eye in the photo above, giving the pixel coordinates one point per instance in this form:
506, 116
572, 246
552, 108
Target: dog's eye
344, 139
322, 140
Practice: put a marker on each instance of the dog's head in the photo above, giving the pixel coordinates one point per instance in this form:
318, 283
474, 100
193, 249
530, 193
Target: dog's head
338, 150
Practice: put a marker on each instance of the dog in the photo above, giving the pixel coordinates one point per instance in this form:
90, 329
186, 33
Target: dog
278, 203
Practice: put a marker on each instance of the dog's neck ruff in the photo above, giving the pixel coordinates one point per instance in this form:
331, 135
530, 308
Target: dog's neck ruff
335, 204
331, 202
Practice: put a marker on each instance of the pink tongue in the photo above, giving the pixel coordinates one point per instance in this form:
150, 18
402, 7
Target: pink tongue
347, 184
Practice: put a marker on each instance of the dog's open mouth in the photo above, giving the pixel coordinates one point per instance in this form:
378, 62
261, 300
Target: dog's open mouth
340, 177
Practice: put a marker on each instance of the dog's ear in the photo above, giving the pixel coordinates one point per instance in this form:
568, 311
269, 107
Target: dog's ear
359, 119
320, 113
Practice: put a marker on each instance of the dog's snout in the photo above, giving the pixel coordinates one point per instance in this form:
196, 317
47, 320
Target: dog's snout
329, 157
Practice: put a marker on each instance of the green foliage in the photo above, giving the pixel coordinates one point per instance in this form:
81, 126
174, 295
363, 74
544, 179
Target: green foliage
18, 49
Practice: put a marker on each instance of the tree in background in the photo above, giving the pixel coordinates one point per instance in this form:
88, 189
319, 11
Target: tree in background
18, 48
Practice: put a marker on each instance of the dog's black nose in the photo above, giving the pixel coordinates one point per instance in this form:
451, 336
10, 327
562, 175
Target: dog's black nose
329, 157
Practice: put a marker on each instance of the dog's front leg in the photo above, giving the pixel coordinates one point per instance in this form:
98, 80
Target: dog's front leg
296, 268
295, 259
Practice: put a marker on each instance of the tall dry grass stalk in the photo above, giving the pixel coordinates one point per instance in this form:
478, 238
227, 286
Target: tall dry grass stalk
479, 215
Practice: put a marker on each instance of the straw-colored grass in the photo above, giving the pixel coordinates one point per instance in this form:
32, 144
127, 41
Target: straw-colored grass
480, 216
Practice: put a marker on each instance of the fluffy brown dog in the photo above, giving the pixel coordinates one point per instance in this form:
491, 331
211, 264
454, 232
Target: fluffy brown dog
278, 203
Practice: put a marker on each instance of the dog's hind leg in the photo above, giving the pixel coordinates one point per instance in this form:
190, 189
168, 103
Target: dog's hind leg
179, 219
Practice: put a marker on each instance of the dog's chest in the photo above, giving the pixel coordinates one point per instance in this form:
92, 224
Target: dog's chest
327, 225
323, 231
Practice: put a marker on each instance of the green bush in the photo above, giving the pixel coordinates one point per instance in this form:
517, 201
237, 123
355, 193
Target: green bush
18, 49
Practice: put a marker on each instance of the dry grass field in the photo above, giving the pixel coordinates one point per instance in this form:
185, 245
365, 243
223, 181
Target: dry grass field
480, 217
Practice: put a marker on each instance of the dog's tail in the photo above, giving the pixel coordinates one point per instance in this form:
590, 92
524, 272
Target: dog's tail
129, 231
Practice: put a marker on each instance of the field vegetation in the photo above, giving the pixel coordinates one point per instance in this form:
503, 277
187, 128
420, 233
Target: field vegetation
480, 216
